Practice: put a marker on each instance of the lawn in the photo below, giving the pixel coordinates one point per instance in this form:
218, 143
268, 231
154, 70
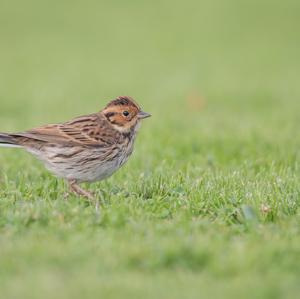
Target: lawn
208, 206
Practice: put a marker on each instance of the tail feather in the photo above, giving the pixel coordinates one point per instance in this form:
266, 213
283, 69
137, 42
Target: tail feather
7, 140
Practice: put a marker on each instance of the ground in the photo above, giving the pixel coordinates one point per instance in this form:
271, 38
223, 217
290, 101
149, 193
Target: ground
208, 205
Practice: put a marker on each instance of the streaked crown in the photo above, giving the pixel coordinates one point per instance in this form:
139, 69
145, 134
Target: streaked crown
123, 101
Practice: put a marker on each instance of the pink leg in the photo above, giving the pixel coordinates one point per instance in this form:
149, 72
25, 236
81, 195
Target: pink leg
75, 188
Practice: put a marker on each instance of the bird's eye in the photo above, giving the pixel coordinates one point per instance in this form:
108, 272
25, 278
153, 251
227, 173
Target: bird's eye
125, 113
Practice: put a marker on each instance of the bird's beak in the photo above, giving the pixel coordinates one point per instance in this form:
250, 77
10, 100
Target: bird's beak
142, 115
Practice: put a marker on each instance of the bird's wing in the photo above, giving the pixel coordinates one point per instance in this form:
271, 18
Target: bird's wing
89, 130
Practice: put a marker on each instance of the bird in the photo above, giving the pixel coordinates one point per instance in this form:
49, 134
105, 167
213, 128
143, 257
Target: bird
88, 148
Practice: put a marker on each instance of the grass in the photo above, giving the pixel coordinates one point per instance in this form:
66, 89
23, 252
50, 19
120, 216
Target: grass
208, 205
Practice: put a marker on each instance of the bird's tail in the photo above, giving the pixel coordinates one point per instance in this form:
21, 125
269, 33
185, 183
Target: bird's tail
7, 140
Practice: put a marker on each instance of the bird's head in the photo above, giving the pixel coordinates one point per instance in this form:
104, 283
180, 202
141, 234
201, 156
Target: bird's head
124, 113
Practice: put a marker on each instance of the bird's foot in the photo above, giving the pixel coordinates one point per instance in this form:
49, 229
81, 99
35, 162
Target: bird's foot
75, 188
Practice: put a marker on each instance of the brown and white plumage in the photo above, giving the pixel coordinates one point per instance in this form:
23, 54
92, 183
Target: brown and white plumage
88, 148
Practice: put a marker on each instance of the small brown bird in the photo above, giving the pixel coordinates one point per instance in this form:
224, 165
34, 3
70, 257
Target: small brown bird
88, 148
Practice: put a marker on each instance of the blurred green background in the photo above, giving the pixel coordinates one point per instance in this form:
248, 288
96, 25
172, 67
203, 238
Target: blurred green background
208, 206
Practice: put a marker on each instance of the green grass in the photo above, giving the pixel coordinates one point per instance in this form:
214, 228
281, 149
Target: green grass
208, 205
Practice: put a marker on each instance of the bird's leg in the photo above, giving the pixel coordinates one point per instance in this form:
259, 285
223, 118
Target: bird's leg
75, 188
